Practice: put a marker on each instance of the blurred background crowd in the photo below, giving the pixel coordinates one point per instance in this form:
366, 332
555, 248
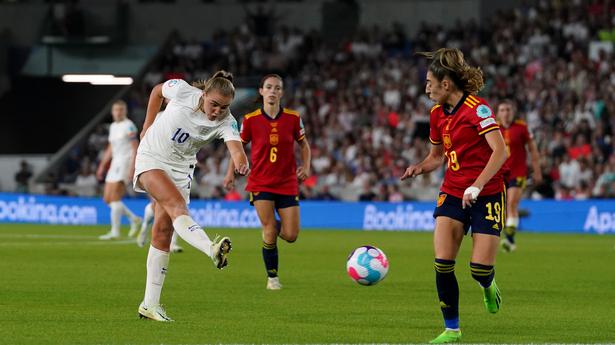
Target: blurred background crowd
364, 107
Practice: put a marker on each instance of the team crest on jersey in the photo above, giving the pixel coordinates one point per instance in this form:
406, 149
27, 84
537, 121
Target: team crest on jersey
273, 139
446, 139
483, 111
441, 199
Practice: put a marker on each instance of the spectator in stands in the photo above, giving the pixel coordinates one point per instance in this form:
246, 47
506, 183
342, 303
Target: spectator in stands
86, 183
22, 177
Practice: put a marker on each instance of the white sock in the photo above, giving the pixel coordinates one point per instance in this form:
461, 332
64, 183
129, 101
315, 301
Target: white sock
127, 211
148, 215
116, 217
174, 239
512, 221
157, 264
192, 233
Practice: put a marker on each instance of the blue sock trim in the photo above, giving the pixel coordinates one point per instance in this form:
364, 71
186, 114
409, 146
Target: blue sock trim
451, 323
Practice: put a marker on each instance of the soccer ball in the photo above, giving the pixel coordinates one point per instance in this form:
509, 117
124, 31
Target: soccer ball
367, 265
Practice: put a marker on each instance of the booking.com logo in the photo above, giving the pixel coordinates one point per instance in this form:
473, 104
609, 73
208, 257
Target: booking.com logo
29, 210
401, 218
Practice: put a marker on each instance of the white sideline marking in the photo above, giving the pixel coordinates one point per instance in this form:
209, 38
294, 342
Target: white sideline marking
80, 243
71, 237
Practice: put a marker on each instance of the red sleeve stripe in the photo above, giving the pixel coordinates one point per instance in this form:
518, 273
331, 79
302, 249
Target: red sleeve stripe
488, 130
435, 142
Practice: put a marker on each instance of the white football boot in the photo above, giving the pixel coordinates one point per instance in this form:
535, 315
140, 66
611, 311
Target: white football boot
274, 283
220, 249
135, 225
156, 313
109, 236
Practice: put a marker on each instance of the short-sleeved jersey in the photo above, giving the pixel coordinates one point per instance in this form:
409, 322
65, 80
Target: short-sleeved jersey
273, 153
462, 131
182, 130
121, 135
516, 137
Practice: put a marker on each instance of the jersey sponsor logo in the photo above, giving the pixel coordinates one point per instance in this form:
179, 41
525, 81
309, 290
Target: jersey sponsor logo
448, 143
483, 111
441, 199
487, 122
273, 139
172, 82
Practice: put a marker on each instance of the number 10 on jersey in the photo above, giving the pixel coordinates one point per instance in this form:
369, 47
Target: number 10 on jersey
180, 137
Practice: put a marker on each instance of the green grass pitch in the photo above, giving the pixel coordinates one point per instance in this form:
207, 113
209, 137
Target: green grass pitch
59, 285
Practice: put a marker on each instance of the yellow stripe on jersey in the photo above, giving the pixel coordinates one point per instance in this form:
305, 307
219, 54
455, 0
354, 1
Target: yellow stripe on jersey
291, 112
301, 138
434, 107
468, 104
252, 114
520, 122
474, 99
488, 130
435, 142
471, 101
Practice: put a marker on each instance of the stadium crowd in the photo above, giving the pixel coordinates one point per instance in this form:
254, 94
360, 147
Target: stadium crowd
363, 102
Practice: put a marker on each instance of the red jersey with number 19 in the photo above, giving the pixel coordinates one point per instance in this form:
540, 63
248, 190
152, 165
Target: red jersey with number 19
273, 150
462, 131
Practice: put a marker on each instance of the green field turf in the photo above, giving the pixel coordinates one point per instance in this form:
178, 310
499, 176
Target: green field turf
59, 285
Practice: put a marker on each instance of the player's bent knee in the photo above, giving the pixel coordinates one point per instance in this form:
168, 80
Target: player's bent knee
290, 238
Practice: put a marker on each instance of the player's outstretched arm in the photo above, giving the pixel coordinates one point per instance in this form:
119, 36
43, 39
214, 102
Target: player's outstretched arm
229, 178
535, 156
104, 163
238, 157
153, 107
496, 160
433, 161
303, 171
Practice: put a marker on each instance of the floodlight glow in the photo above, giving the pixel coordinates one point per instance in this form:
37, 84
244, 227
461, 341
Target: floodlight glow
97, 79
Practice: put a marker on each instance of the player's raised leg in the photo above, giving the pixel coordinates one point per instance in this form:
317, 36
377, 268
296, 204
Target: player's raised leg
163, 190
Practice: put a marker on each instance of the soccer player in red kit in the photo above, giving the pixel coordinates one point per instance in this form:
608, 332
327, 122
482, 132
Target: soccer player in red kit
274, 180
517, 138
464, 130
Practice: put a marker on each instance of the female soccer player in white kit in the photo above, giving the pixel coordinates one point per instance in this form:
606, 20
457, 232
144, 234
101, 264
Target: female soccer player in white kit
120, 151
164, 167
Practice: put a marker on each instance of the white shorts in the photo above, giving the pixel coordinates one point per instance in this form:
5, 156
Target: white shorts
181, 176
118, 170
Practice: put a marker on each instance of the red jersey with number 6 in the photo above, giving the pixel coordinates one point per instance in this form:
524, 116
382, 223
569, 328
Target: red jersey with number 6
462, 132
274, 168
